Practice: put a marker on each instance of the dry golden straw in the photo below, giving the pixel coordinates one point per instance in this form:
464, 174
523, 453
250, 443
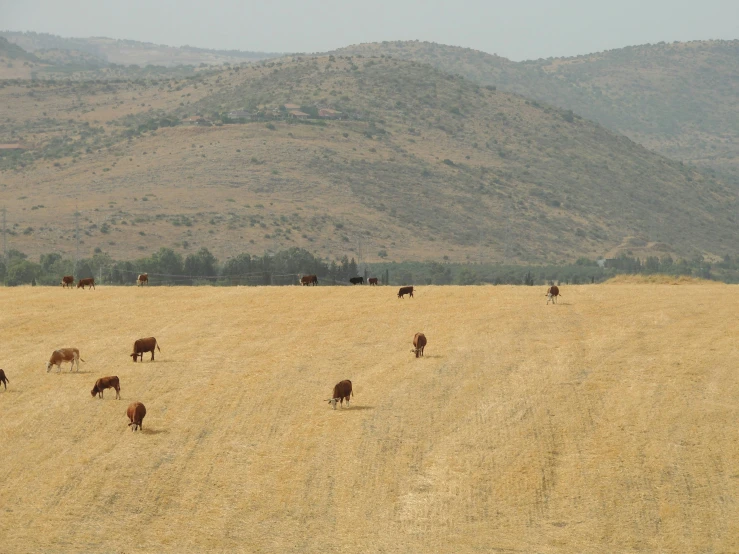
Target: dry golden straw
605, 423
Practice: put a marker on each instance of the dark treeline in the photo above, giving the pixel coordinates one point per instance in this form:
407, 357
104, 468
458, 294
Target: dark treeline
167, 267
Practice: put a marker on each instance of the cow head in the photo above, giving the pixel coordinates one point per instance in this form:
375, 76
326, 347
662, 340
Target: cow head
94, 390
135, 355
333, 402
48, 367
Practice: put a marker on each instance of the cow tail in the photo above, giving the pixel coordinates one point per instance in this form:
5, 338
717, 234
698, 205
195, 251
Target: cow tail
158, 347
80, 359
352, 392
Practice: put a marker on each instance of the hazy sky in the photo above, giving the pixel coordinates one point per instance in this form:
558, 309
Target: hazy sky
515, 29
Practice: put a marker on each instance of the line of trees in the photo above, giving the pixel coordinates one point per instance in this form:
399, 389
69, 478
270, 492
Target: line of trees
168, 267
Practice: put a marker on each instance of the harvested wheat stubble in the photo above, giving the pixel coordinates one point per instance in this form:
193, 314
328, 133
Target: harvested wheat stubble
604, 423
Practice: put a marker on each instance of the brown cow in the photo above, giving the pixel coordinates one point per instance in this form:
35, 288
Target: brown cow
4, 379
419, 341
142, 280
552, 294
309, 280
405, 290
144, 345
67, 281
372, 281
136, 412
107, 383
342, 390
89, 282
64, 355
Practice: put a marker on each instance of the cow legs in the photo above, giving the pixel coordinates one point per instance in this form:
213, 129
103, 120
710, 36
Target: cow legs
152, 356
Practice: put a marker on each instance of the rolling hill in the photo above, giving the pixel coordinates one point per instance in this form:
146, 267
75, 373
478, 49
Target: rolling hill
608, 439
677, 99
423, 165
130, 52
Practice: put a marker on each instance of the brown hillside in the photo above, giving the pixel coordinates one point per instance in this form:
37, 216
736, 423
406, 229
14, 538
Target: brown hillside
425, 165
580, 427
678, 99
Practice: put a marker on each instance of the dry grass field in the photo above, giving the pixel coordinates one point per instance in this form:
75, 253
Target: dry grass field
606, 423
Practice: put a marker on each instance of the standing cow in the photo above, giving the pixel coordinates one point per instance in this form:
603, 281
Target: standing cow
142, 280
552, 294
67, 281
419, 341
136, 412
308, 280
372, 281
89, 282
144, 345
64, 355
4, 379
107, 383
405, 290
357, 280
342, 390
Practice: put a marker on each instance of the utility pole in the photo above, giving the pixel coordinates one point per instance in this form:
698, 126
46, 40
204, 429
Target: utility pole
5, 236
479, 250
506, 232
76, 236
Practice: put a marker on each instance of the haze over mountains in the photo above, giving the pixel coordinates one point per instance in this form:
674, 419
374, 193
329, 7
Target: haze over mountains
423, 164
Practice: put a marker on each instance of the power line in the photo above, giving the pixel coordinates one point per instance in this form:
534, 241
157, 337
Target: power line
76, 236
5, 237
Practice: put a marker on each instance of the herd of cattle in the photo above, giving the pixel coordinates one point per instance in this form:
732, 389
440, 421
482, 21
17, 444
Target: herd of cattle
136, 410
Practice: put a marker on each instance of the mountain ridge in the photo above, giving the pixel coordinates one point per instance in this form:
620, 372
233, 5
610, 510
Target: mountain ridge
422, 165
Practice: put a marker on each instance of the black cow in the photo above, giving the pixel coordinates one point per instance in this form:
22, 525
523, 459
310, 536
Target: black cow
405, 290
357, 280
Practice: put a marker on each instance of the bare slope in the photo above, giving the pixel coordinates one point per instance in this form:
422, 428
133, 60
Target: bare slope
577, 427
678, 99
425, 165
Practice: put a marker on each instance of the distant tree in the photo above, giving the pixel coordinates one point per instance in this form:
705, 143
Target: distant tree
48, 260
467, 277
22, 273
202, 264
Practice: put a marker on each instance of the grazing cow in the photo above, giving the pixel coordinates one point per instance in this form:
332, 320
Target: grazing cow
67, 281
4, 379
136, 412
309, 280
357, 280
405, 290
341, 390
89, 282
144, 345
552, 294
142, 280
107, 383
372, 281
419, 341
64, 355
